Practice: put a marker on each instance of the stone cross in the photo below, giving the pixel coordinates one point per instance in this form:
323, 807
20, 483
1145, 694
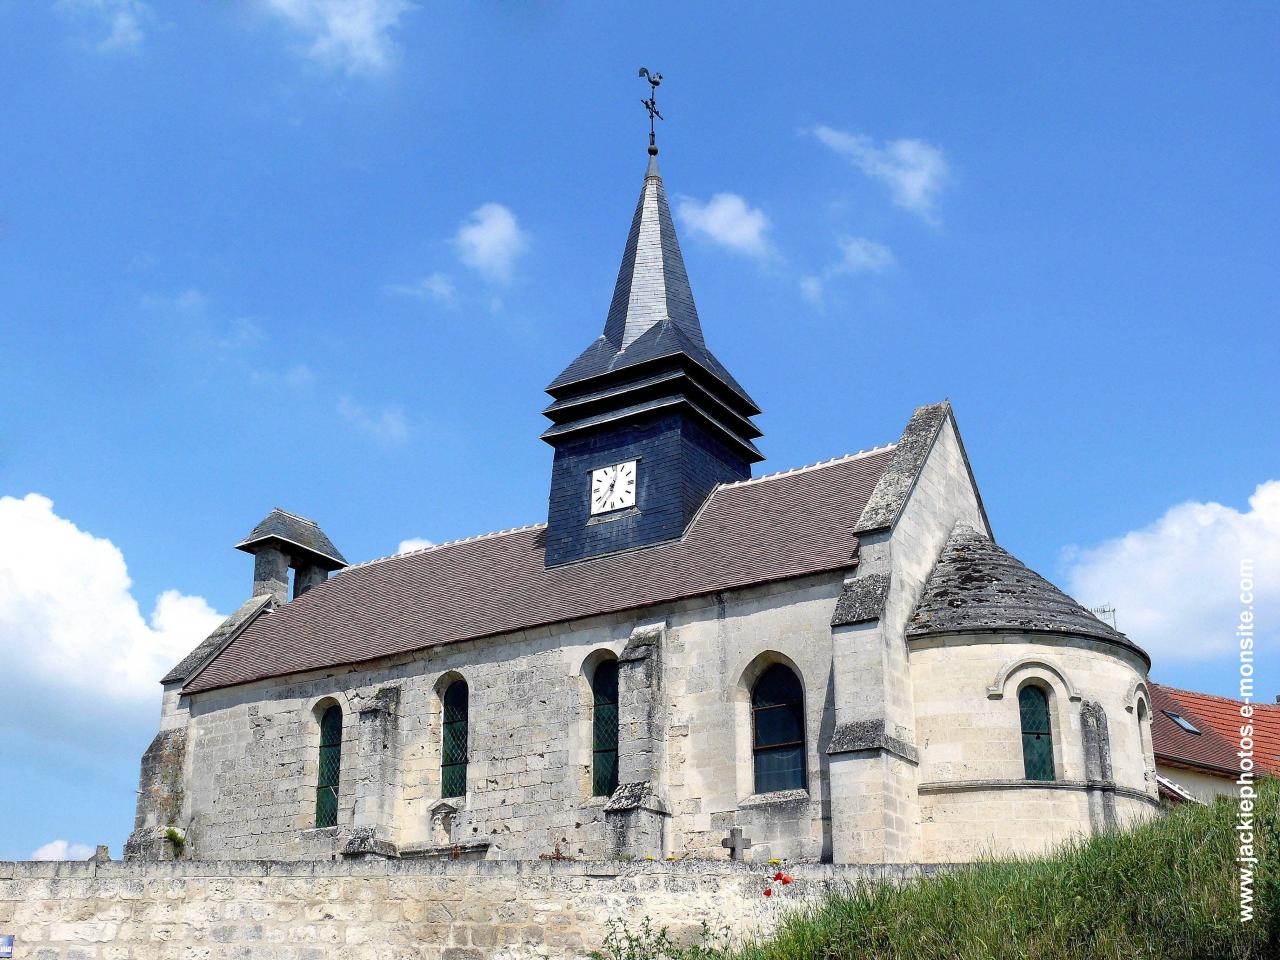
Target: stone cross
737, 844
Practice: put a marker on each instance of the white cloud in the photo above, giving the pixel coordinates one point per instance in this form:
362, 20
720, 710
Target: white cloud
62, 850
122, 20
857, 255
189, 301
811, 288
1175, 583
300, 375
913, 170
437, 286
414, 543
860, 255
68, 618
388, 424
727, 220
349, 35
490, 240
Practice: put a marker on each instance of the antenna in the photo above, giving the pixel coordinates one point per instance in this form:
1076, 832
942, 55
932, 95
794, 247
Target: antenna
1106, 613
652, 105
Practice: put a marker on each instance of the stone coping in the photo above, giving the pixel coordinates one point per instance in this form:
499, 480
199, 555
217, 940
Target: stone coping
967, 786
181, 869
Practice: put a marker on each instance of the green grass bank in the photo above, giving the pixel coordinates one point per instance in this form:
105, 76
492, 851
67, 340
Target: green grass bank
1166, 890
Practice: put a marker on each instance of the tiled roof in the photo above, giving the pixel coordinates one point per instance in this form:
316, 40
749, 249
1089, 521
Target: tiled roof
298, 531
755, 531
1218, 719
220, 637
976, 585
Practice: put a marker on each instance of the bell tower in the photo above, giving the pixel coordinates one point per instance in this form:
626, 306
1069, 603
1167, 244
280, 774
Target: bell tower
646, 421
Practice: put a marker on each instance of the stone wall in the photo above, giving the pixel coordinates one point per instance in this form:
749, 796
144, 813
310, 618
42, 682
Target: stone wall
974, 798
383, 910
252, 751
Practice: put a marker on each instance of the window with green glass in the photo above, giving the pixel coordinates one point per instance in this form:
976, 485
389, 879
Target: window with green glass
453, 759
777, 731
604, 729
330, 767
1037, 739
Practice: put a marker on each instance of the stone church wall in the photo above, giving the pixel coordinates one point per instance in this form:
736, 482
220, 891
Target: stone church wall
974, 798
382, 911
875, 775
252, 754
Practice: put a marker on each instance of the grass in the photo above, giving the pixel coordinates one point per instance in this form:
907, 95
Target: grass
1165, 890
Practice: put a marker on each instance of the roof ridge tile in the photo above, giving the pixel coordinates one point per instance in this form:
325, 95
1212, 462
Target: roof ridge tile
808, 466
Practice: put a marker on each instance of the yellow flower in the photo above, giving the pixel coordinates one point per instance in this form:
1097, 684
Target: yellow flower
775, 861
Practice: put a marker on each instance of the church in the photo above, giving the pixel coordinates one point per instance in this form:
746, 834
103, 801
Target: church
833, 663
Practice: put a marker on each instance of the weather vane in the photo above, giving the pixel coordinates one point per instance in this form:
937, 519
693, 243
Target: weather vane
652, 105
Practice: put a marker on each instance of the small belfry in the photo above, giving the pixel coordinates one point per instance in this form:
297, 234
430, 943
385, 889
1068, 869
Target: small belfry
646, 421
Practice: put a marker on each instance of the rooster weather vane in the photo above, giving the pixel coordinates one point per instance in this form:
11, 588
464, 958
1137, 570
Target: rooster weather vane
652, 105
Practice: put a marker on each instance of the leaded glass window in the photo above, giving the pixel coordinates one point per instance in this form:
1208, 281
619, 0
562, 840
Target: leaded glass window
1037, 740
330, 767
777, 729
453, 759
604, 729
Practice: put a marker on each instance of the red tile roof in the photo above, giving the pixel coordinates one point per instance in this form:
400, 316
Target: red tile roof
756, 531
1219, 720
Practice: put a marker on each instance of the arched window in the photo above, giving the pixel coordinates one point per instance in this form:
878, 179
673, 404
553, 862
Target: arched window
777, 730
330, 767
1037, 739
604, 729
453, 756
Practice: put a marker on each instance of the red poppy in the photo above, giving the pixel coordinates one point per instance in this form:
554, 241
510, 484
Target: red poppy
785, 879
778, 875
768, 891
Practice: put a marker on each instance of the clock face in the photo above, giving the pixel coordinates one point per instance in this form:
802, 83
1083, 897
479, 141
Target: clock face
613, 488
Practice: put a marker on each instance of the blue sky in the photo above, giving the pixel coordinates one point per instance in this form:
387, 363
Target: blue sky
326, 255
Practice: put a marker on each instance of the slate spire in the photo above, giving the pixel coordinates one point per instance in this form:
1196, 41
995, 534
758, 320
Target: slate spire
652, 283
652, 315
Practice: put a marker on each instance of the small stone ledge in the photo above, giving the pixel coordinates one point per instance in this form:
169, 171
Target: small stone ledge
364, 842
779, 798
863, 735
616, 515
970, 786
635, 796
468, 850
861, 600
643, 643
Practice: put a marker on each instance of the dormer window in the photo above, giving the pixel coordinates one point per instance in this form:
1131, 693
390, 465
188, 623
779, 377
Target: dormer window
1181, 721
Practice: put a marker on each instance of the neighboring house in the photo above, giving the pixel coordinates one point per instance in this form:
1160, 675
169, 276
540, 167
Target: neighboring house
1197, 742
833, 663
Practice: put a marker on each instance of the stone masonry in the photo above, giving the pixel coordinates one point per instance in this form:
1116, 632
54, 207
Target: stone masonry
384, 910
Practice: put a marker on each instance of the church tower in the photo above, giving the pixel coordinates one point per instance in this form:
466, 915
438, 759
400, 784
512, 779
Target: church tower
646, 421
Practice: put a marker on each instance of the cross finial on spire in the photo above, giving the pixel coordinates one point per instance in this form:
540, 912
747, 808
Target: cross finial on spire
652, 105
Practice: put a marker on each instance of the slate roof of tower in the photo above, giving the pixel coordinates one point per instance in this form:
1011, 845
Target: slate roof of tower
652, 313
976, 585
291, 528
755, 531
